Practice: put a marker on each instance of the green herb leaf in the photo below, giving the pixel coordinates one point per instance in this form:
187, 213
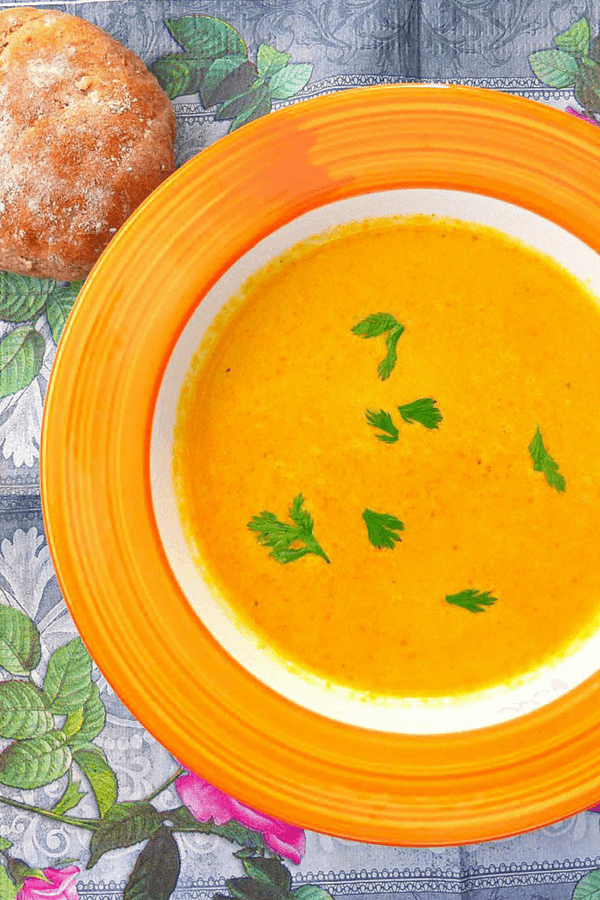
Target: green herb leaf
180, 74
375, 325
474, 601
423, 411
382, 528
156, 871
59, 305
588, 888
93, 719
212, 87
543, 462
102, 779
269, 60
284, 537
268, 871
4, 844
125, 825
554, 67
8, 889
21, 358
575, 39
68, 681
258, 104
386, 366
22, 298
289, 80
383, 421
207, 37
34, 762
24, 711
19, 642
71, 797
311, 892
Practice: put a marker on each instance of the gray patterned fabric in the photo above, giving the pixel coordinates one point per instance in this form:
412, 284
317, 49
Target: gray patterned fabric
349, 43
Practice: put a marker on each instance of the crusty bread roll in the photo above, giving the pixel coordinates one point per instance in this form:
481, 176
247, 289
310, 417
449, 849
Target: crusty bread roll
86, 133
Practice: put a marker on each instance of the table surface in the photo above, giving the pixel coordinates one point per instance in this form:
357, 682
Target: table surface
343, 43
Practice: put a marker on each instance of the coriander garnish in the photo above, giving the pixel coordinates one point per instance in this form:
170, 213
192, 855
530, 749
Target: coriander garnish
543, 462
383, 421
284, 537
382, 529
376, 325
423, 411
474, 601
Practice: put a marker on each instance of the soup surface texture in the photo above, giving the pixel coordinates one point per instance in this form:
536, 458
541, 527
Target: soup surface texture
505, 345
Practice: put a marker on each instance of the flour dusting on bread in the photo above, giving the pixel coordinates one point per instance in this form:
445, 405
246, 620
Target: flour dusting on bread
86, 133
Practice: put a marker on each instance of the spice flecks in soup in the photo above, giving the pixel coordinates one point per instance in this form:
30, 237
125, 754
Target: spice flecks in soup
504, 345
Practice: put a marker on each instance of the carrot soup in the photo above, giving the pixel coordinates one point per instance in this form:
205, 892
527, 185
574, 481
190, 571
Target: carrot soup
385, 457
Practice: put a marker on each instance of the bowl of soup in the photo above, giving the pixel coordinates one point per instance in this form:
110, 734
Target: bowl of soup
319, 464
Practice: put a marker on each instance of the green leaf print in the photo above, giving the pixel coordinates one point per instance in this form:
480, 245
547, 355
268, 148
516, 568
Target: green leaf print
180, 74
68, 681
576, 39
268, 871
554, 67
24, 711
124, 825
8, 889
93, 719
311, 892
35, 762
59, 305
71, 797
215, 84
156, 871
207, 37
269, 60
289, 80
258, 105
21, 357
19, 642
102, 779
588, 888
22, 298
587, 89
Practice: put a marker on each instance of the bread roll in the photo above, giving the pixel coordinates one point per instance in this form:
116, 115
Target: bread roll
86, 133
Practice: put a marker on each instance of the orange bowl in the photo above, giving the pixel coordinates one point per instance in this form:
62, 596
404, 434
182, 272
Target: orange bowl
220, 721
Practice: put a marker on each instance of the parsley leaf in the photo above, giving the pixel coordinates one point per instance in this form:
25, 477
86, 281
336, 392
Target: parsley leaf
423, 411
383, 421
543, 462
374, 326
474, 601
382, 528
283, 537
386, 366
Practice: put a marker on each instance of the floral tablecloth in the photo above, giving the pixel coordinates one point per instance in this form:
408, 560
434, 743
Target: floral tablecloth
90, 805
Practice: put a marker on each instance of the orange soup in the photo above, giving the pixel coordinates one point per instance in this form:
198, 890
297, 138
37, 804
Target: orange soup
386, 457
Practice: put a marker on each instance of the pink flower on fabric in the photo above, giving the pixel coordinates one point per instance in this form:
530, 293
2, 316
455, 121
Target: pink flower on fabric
60, 885
580, 115
595, 808
207, 802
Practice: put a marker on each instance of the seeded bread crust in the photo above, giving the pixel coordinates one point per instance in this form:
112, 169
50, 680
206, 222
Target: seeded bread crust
86, 133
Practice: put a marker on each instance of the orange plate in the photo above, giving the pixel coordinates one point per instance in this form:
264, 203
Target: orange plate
174, 677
